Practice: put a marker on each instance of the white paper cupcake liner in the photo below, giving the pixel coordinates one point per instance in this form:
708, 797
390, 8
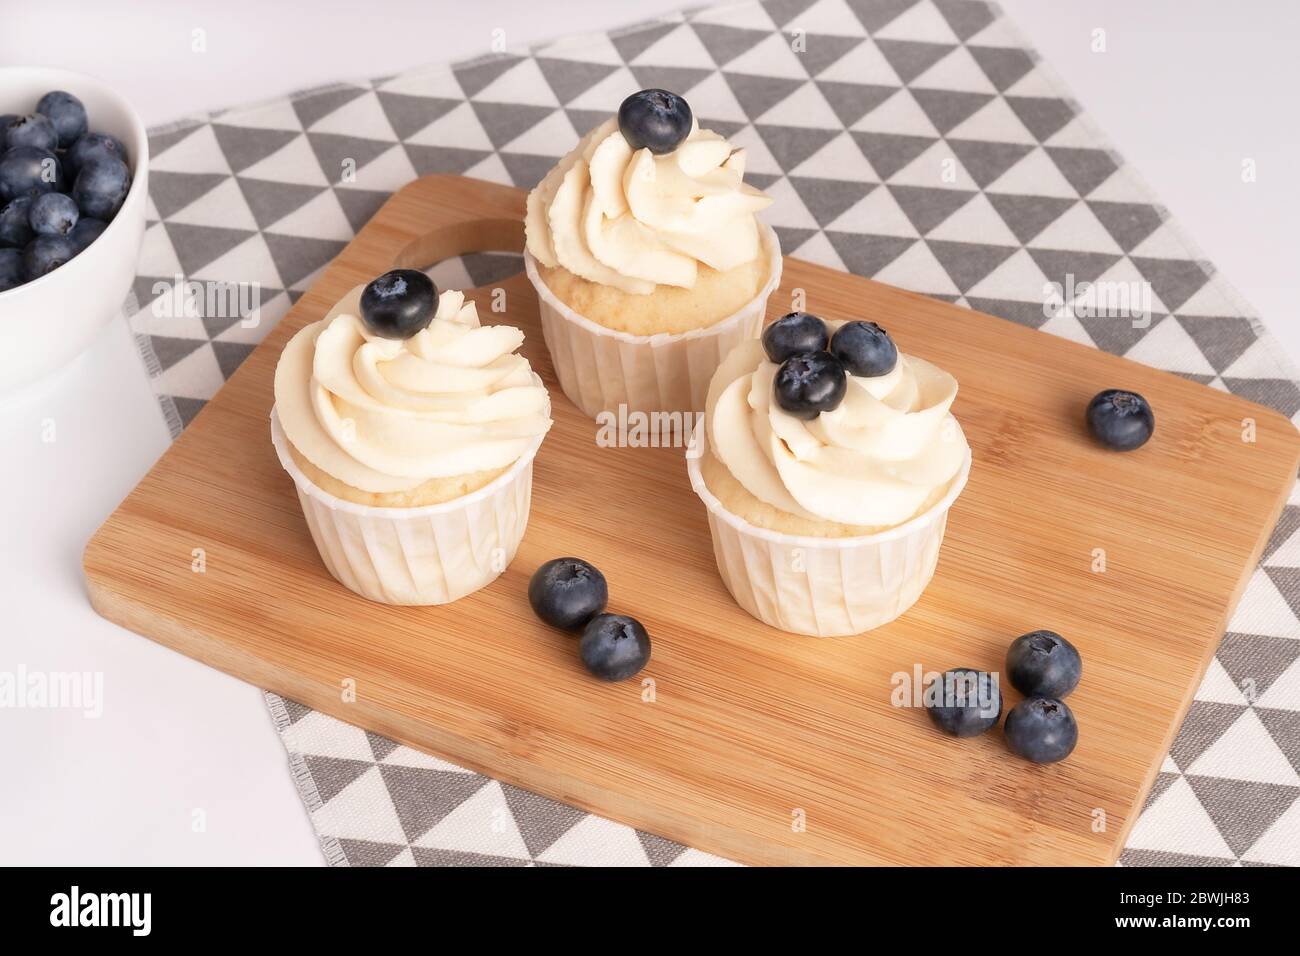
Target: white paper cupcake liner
824, 587
433, 554
600, 369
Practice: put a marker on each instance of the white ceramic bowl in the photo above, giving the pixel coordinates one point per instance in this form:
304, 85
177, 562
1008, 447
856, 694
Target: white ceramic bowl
48, 322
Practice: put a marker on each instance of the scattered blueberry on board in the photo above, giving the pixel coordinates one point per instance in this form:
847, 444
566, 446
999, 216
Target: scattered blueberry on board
864, 349
810, 383
399, 303
655, 120
793, 334
1120, 420
964, 702
567, 592
1043, 664
571, 594
614, 647
61, 183
1041, 729
1044, 667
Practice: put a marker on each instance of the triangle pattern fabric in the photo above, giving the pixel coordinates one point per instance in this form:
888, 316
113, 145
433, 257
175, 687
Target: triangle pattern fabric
1043, 116
725, 43
369, 853
1223, 800
965, 18
919, 142
540, 821
476, 75
911, 58
245, 146
423, 797
949, 108
172, 192
161, 140
408, 114
333, 774
890, 152
270, 202
875, 15
852, 101
1002, 65
196, 246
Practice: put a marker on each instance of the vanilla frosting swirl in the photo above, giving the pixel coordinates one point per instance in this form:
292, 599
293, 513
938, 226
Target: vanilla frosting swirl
633, 220
386, 415
886, 452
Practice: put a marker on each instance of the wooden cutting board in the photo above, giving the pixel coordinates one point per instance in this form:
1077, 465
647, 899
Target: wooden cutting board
756, 745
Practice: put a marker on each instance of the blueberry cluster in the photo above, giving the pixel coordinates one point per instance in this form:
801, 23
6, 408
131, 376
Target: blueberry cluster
1043, 666
1120, 420
60, 186
571, 594
815, 366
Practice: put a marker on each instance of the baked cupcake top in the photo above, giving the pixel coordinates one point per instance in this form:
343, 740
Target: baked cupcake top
885, 451
633, 207
384, 413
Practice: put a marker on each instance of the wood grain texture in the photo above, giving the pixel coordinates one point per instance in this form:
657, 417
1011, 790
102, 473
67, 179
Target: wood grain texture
749, 727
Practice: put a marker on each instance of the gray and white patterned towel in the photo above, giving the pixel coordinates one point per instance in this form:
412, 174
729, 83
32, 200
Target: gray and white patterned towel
919, 142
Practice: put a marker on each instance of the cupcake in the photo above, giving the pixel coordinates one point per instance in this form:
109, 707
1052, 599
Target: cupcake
648, 259
827, 462
409, 430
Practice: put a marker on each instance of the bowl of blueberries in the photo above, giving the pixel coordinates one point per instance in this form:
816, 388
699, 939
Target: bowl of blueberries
73, 190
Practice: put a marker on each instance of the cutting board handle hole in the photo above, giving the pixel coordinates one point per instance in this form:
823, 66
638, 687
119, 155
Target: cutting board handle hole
457, 239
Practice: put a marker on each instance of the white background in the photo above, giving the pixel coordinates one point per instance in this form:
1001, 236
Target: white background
1187, 89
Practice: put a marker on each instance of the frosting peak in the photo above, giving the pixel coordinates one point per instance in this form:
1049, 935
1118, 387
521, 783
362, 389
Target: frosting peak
884, 454
386, 415
633, 220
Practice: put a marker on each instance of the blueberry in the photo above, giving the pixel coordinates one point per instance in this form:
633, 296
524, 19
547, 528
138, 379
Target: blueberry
1120, 420
567, 592
399, 303
794, 333
101, 188
86, 231
864, 349
810, 383
1043, 664
44, 254
31, 130
5, 120
53, 214
1041, 729
964, 702
15, 226
614, 647
66, 114
28, 171
12, 271
655, 120
90, 147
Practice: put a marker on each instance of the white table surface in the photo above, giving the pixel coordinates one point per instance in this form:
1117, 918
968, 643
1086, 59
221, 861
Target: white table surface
1187, 89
